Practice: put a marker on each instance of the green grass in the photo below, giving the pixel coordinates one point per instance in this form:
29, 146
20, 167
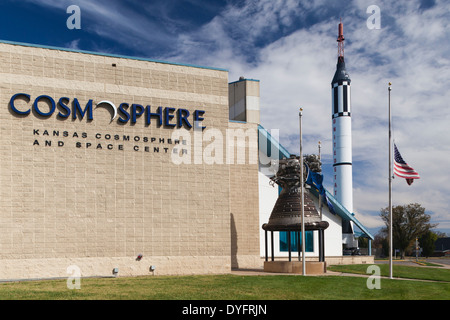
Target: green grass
423, 273
226, 287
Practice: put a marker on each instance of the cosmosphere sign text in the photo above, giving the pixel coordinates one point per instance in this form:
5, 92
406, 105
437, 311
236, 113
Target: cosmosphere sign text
45, 106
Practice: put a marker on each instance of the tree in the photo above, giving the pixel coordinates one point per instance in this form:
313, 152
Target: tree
441, 234
363, 242
426, 242
381, 242
408, 222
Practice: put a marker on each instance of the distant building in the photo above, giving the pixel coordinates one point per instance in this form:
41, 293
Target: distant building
442, 247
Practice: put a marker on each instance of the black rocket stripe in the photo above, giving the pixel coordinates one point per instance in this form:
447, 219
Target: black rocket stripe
335, 95
341, 114
342, 164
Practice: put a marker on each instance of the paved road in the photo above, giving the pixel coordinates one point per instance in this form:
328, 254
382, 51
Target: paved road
443, 261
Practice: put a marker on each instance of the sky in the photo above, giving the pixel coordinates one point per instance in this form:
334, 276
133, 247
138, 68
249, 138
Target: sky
290, 47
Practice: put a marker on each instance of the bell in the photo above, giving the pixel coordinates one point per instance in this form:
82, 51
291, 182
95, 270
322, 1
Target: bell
286, 214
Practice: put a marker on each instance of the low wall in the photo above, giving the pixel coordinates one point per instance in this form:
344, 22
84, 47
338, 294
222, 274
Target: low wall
350, 260
21, 269
311, 267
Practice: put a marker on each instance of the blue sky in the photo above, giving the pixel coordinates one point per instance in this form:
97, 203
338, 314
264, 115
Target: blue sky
290, 46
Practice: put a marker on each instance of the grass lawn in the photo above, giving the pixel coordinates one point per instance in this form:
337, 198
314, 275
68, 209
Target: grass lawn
435, 274
226, 287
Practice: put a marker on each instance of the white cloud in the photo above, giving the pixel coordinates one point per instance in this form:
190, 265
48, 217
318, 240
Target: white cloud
74, 44
121, 22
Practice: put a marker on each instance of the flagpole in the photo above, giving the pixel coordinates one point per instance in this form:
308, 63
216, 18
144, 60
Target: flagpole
302, 196
320, 196
390, 186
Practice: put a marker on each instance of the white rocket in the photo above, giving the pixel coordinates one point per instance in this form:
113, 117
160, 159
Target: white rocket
342, 139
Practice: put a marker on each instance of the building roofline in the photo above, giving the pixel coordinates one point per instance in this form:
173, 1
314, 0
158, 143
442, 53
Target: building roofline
282, 150
347, 215
112, 55
244, 79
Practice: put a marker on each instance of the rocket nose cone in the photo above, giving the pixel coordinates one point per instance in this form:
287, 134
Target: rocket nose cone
341, 73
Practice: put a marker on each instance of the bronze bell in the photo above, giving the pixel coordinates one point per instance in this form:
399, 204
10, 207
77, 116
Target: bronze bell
286, 214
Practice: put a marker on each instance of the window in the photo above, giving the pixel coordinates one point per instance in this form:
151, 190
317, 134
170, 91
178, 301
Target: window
309, 241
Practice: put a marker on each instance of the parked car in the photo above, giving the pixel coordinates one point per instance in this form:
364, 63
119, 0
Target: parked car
351, 252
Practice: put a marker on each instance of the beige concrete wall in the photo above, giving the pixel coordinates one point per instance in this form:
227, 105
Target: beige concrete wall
47, 268
100, 208
244, 200
244, 185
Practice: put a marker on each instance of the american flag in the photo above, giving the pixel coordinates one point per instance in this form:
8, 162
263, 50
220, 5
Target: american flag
401, 168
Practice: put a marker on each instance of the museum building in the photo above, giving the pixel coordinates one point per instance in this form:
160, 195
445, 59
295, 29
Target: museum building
128, 166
